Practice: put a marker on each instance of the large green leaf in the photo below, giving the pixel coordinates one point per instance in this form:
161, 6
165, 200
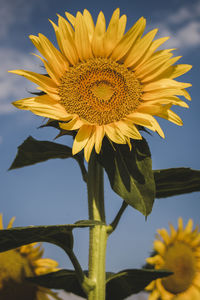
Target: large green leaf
131, 281
130, 173
118, 286
60, 235
32, 151
176, 181
62, 280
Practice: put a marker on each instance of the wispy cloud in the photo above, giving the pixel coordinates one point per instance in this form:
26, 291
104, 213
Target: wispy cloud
183, 26
12, 12
13, 87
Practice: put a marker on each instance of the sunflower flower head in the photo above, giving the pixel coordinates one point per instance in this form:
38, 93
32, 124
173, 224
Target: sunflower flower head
102, 81
179, 252
22, 262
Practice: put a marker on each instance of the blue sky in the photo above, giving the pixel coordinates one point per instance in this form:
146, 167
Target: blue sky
53, 192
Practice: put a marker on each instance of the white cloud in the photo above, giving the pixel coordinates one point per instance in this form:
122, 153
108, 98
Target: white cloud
14, 87
11, 12
185, 13
183, 27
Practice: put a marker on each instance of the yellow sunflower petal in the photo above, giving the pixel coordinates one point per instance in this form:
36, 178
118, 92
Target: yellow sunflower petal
114, 134
128, 39
89, 146
160, 71
150, 286
173, 100
164, 234
10, 224
189, 226
43, 106
45, 262
155, 44
163, 93
82, 39
128, 130
110, 38
164, 83
179, 70
139, 49
173, 231
100, 132
163, 112
50, 70
99, 32
89, 23
71, 18
46, 83
151, 65
50, 53
73, 124
159, 247
155, 260
81, 138
67, 41
1, 221
154, 295
121, 27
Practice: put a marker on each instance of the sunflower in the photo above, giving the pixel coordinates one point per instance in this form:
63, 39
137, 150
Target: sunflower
178, 252
22, 262
103, 81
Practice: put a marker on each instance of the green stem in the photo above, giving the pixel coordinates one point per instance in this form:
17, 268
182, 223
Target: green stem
98, 233
116, 220
84, 281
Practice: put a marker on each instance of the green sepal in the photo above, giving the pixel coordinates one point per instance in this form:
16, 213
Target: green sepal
130, 173
55, 124
118, 285
60, 235
32, 151
176, 181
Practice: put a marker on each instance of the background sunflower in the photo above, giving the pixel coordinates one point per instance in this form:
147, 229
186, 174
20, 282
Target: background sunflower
179, 252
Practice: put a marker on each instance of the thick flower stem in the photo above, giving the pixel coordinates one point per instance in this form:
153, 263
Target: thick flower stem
98, 233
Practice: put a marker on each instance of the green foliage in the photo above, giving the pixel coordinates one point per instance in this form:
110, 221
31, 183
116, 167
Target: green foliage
176, 181
32, 151
118, 285
60, 235
130, 173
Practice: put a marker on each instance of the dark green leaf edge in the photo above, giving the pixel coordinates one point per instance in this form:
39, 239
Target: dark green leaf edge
118, 285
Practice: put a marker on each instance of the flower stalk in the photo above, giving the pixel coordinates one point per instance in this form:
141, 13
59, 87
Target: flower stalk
98, 233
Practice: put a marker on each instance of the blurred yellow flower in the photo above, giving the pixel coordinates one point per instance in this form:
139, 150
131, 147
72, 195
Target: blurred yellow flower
178, 252
104, 82
22, 262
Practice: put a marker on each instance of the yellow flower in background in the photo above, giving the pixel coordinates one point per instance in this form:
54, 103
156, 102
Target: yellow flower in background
102, 82
179, 252
22, 262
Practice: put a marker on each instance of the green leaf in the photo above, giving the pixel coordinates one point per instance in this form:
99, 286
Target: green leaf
118, 286
176, 181
33, 151
60, 235
130, 173
132, 281
63, 280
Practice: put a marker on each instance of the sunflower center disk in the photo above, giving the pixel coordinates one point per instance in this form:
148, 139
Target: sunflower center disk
100, 91
179, 259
